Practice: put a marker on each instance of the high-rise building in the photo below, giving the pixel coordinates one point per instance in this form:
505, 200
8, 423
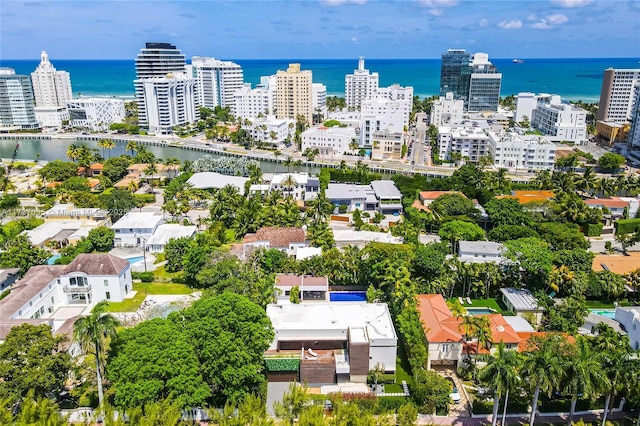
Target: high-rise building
16, 100
319, 102
50, 87
617, 94
294, 93
633, 137
455, 72
155, 60
170, 101
360, 85
95, 114
216, 81
446, 110
484, 85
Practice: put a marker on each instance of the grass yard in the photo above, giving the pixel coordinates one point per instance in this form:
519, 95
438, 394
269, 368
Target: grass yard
480, 303
162, 275
144, 289
403, 371
127, 305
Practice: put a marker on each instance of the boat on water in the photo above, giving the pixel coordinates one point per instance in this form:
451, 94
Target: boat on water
518, 61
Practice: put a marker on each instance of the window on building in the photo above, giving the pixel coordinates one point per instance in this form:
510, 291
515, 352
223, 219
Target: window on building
108, 295
106, 283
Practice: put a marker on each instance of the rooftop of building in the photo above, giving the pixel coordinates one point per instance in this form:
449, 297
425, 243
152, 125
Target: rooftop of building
611, 202
335, 318
350, 235
208, 180
168, 231
386, 189
277, 236
138, 220
291, 280
521, 300
484, 247
533, 196
343, 191
619, 264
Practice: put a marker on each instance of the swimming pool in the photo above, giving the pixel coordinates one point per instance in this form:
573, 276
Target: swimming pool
607, 313
348, 296
480, 311
135, 259
52, 259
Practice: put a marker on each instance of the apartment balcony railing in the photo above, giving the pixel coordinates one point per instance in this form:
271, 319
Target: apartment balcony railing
77, 289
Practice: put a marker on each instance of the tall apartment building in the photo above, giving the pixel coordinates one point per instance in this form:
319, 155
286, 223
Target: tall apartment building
446, 110
514, 151
633, 137
617, 94
319, 95
484, 85
216, 81
388, 109
455, 73
294, 93
471, 143
50, 87
16, 101
250, 103
360, 85
169, 101
155, 60
475, 79
560, 121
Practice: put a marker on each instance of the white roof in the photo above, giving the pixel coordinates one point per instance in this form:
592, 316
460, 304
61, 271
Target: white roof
48, 230
300, 178
343, 191
306, 252
386, 189
167, 231
482, 247
207, 180
65, 210
522, 300
519, 324
138, 220
346, 235
330, 320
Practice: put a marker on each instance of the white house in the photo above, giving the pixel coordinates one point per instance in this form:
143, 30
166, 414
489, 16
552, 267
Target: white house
51, 116
271, 129
324, 333
560, 121
134, 229
355, 197
311, 288
388, 196
527, 152
213, 180
55, 293
629, 318
328, 140
296, 185
166, 232
480, 251
521, 302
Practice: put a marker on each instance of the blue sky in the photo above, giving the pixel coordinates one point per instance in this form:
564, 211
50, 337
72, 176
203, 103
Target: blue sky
310, 29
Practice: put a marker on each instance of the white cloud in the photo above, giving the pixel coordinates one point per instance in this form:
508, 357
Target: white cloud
354, 39
542, 25
570, 4
483, 23
514, 24
557, 19
340, 2
436, 7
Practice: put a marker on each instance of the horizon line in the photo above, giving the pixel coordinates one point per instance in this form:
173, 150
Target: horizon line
316, 59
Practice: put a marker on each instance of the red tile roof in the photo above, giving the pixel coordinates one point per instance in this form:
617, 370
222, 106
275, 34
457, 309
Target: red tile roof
524, 197
613, 202
432, 195
439, 324
277, 237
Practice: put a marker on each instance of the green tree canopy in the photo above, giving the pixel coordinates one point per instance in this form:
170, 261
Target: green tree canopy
32, 359
156, 360
532, 259
611, 161
230, 334
117, 203
58, 171
452, 205
101, 238
507, 211
458, 230
511, 232
19, 253
116, 168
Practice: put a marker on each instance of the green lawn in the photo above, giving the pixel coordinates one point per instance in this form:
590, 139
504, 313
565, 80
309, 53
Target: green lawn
144, 289
480, 303
403, 371
164, 275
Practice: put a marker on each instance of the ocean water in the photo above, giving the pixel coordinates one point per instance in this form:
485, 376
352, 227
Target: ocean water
573, 79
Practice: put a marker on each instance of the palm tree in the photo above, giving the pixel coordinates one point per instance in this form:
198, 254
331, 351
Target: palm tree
584, 374
289, 183
543, 180
502, 374
543, 367
132, 186
91, 334
172, 163
6, 185
151, 170
133, 147
288, 163
72, 152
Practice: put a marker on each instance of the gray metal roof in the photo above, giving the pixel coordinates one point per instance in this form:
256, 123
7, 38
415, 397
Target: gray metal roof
482, 247
346, 191
386, 189
522, 300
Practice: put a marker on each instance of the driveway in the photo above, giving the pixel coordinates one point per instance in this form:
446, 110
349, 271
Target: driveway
463, 407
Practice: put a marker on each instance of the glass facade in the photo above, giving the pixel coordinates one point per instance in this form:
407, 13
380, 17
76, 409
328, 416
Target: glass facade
455, 73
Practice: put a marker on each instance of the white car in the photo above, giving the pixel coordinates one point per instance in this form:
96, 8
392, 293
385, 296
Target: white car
454, 395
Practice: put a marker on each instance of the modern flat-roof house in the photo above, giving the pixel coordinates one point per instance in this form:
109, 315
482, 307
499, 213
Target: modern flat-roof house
331, 342
629, 318
295, 185
213, 180
166, 232
53, 294
382, 196
134, 229
521, 302
311, 288
388, 196
480, 251
287, 240
351, 237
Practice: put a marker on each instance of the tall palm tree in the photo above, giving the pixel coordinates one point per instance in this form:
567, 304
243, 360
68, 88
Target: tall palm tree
6, 185
91, 333
151, 170
501, 373
172, 163
289, 183
584, 374
102, 144
72, 152
543, 367
133, 147
288, 163
543, 180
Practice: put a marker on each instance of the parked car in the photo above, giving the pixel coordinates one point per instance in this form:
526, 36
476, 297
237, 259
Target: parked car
454, 395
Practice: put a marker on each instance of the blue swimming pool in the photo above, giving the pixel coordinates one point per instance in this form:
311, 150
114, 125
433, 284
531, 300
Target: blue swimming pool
135, 259
348, 296
52, 259
607, 313
480, 311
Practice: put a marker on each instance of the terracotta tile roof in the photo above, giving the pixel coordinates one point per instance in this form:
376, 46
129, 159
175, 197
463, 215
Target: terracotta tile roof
525, 345
277, 237
96, 166
524, 197
432, 195
288, 280
613, 202
315, 281
34, 281
418, 205
439, 324
618, 264
501, 330
97, 264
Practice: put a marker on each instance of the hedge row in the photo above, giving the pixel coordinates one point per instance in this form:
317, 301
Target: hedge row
627, 226
592, 229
